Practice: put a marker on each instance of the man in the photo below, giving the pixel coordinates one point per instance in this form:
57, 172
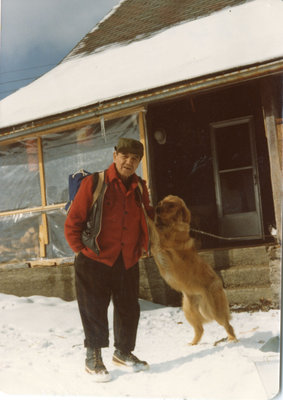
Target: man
111, 271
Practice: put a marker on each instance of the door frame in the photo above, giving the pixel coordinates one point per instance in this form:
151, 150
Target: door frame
226, 123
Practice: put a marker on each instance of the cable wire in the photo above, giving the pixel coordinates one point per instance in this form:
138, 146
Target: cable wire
19, 80
25, 69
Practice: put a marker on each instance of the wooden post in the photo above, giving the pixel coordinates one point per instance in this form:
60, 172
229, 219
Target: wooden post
143, 140
43, 229
270, 112
279, 125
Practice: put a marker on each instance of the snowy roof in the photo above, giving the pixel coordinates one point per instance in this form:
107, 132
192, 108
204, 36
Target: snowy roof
246, 34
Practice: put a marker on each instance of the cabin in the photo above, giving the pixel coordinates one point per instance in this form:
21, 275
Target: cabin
200, 84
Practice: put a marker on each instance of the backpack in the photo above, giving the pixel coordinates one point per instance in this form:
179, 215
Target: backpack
75, 181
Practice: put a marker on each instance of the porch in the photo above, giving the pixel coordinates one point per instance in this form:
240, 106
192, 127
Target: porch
251, 277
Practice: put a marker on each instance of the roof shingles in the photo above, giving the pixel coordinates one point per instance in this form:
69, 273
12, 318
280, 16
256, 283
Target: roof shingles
136, 19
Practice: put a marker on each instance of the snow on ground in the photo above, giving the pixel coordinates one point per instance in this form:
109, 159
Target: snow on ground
42, 353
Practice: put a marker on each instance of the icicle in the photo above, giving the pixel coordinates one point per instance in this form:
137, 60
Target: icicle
102, 126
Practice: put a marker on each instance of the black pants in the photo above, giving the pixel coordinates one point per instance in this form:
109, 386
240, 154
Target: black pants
96, 283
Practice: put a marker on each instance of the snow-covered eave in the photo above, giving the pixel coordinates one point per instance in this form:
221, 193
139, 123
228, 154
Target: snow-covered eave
243, 37
84, 114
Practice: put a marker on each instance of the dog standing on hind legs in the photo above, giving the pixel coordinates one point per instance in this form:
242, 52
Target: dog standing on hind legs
180, 265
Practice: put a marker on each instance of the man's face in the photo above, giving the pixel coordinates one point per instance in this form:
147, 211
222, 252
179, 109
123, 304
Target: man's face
126, 164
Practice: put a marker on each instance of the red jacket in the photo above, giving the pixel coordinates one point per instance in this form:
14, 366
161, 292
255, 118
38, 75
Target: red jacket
124, 227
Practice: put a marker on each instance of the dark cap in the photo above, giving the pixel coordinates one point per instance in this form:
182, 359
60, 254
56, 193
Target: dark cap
127, 145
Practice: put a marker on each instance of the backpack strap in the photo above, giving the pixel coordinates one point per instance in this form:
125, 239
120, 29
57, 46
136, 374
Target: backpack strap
98, 181
140, 186
139, 191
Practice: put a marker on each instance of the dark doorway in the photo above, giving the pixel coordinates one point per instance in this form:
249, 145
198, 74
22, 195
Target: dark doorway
184, 159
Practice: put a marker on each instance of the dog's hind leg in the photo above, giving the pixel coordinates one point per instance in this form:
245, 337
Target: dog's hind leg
193, 316
222, 314
230, 331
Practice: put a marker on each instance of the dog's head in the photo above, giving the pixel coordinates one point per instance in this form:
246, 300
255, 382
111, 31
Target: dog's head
172, 209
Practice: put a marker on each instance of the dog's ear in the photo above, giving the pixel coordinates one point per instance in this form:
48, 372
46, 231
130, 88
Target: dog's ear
186, 215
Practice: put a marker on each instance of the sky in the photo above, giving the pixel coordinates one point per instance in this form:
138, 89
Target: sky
37, 34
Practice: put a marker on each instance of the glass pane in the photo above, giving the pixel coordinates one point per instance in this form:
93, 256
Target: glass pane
57, 247
86, 148
233, 147
19, 238
19, 178
237, 191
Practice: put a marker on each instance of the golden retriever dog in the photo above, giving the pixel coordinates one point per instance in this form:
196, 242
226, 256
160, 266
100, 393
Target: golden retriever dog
180, 265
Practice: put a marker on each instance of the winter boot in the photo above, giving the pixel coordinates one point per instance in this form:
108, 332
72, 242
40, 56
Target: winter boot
94, 365
129, 361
